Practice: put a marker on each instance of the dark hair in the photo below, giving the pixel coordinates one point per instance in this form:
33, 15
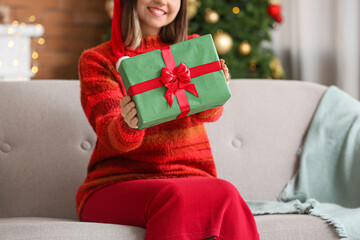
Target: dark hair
174, 32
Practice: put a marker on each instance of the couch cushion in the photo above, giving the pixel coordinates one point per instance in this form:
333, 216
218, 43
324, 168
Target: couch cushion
271, 227
294, 227
59, 229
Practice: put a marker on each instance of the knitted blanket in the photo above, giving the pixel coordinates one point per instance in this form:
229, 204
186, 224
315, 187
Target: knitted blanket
327, 184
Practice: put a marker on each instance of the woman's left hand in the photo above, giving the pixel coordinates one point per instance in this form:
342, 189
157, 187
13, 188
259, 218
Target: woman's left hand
225, 69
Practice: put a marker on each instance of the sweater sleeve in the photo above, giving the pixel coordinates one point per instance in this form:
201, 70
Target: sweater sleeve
100, 98
210, 115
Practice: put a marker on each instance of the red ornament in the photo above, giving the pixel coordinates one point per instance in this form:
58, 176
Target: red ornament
274, 11
278, 19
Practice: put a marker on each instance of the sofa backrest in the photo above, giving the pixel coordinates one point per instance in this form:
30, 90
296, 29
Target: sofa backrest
45, 145
257, 141
46, 141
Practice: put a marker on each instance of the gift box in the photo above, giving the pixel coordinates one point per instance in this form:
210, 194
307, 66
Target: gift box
177, 81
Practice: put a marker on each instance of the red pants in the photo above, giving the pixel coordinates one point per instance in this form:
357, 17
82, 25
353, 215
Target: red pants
175, 208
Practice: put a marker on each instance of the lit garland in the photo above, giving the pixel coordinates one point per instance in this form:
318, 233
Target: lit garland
14, 30
37, 42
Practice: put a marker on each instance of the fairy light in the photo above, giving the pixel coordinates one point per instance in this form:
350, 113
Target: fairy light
236, 10
35, 55
15, 62
10, 30
41, 41
11, 44
34, 69
32, 18
15, 33
38, 27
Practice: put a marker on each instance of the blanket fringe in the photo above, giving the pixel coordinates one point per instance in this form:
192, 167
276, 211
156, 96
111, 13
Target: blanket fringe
339, 228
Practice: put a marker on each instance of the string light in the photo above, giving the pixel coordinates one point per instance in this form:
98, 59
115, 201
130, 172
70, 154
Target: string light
38, 27
32, 18
11, 43
13, 29
35, 55
15, 62
236, 10
41, 41
10, 30
34, 69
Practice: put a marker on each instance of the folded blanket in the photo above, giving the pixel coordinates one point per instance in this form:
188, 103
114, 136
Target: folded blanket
327, 183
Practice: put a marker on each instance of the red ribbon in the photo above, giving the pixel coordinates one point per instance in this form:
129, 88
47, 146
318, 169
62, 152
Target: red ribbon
176, 80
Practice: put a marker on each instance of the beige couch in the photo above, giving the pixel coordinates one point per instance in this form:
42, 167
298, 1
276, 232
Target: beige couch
46, 143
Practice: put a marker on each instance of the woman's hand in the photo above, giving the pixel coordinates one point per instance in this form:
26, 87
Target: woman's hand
225, 69
128, 111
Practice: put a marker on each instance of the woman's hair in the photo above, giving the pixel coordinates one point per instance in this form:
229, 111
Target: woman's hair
175, 32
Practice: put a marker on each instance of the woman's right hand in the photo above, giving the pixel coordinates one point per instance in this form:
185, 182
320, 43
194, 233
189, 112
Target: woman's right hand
128, 112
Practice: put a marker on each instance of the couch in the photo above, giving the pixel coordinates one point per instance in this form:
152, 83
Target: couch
46, 143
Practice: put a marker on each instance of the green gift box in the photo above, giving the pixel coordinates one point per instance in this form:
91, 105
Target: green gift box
180, 80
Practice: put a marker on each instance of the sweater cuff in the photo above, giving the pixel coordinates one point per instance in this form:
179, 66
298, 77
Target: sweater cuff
130, 134
210, 115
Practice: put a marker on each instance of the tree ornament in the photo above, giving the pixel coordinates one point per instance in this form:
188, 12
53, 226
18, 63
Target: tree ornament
223, 42
274, 10
276, 67
245, 48
278, 72
109, 7
211, 16
274, 63
193, 6
252, 65
278, 18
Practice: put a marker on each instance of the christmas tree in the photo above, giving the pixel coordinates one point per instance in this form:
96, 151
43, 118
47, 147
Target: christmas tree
239, 29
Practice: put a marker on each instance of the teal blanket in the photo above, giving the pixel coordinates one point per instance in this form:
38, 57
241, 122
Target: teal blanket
327, 183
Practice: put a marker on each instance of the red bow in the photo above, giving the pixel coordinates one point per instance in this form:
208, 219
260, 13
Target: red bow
177, 80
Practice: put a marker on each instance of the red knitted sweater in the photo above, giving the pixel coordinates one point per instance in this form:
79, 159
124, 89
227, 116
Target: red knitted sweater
179, 148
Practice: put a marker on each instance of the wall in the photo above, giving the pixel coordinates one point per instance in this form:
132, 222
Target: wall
322, 48
70, 27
